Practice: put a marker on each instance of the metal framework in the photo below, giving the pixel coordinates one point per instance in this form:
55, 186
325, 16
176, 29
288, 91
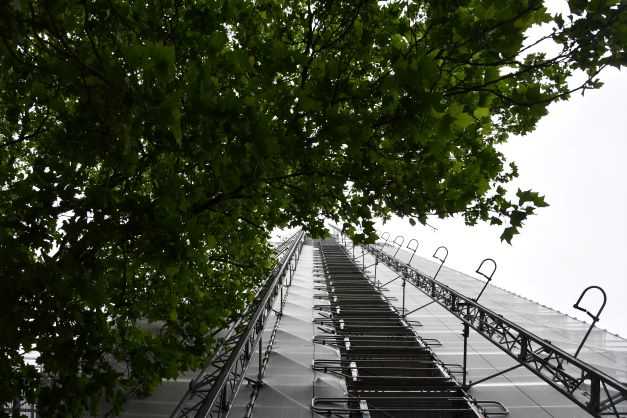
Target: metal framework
388, 369
588, 387
212, 392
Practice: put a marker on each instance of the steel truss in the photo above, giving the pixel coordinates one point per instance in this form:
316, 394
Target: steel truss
214, 389
588, 387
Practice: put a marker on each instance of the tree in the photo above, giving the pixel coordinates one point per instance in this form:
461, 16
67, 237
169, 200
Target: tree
148, 148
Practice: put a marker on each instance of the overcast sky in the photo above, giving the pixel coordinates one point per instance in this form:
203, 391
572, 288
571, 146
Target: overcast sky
576, 157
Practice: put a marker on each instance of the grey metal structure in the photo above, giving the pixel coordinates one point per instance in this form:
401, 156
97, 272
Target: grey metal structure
491, 373
592, 389
289, 381
299, 372
212, 392
388, 369
464, 334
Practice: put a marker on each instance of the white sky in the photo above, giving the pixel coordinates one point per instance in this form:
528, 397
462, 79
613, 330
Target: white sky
576, 157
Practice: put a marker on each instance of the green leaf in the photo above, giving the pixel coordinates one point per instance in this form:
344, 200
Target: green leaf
358, 28
398, 42
463, 120
149, 149
517, 217
217, 40
164, 59
508, 234
531, 196
481, 112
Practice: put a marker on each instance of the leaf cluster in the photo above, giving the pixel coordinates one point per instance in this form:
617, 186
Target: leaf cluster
148, 148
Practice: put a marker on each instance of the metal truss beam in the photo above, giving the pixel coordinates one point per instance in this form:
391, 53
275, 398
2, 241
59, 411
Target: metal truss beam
592, 389
214, 389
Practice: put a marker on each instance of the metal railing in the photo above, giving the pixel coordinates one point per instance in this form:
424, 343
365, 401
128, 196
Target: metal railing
214, 389
592, 389
387, 368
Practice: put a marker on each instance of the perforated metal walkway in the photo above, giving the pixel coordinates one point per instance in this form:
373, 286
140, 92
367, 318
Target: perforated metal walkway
389, 370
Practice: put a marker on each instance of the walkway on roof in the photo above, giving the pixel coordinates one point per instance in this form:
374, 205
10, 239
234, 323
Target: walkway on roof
290, 382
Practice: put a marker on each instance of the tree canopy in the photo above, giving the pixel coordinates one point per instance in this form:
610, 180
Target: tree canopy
147, 149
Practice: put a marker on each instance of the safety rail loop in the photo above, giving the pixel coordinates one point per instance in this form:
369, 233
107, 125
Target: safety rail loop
212, 392
592, 389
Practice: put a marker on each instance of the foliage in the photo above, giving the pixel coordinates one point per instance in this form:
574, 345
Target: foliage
147, 148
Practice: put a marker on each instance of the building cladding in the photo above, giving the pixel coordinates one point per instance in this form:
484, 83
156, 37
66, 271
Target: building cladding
520, 390
291, 383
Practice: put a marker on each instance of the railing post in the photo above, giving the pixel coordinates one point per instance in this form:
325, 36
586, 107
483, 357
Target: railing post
595, 395
223, 400
281, 301
404, 283
260, 371
522, 357
376, 263
465, 333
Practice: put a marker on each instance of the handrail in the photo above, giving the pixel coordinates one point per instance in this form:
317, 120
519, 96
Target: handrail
399, 245
413, 249
488, 277
590, 388
442, 260
213, 388
595, 318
